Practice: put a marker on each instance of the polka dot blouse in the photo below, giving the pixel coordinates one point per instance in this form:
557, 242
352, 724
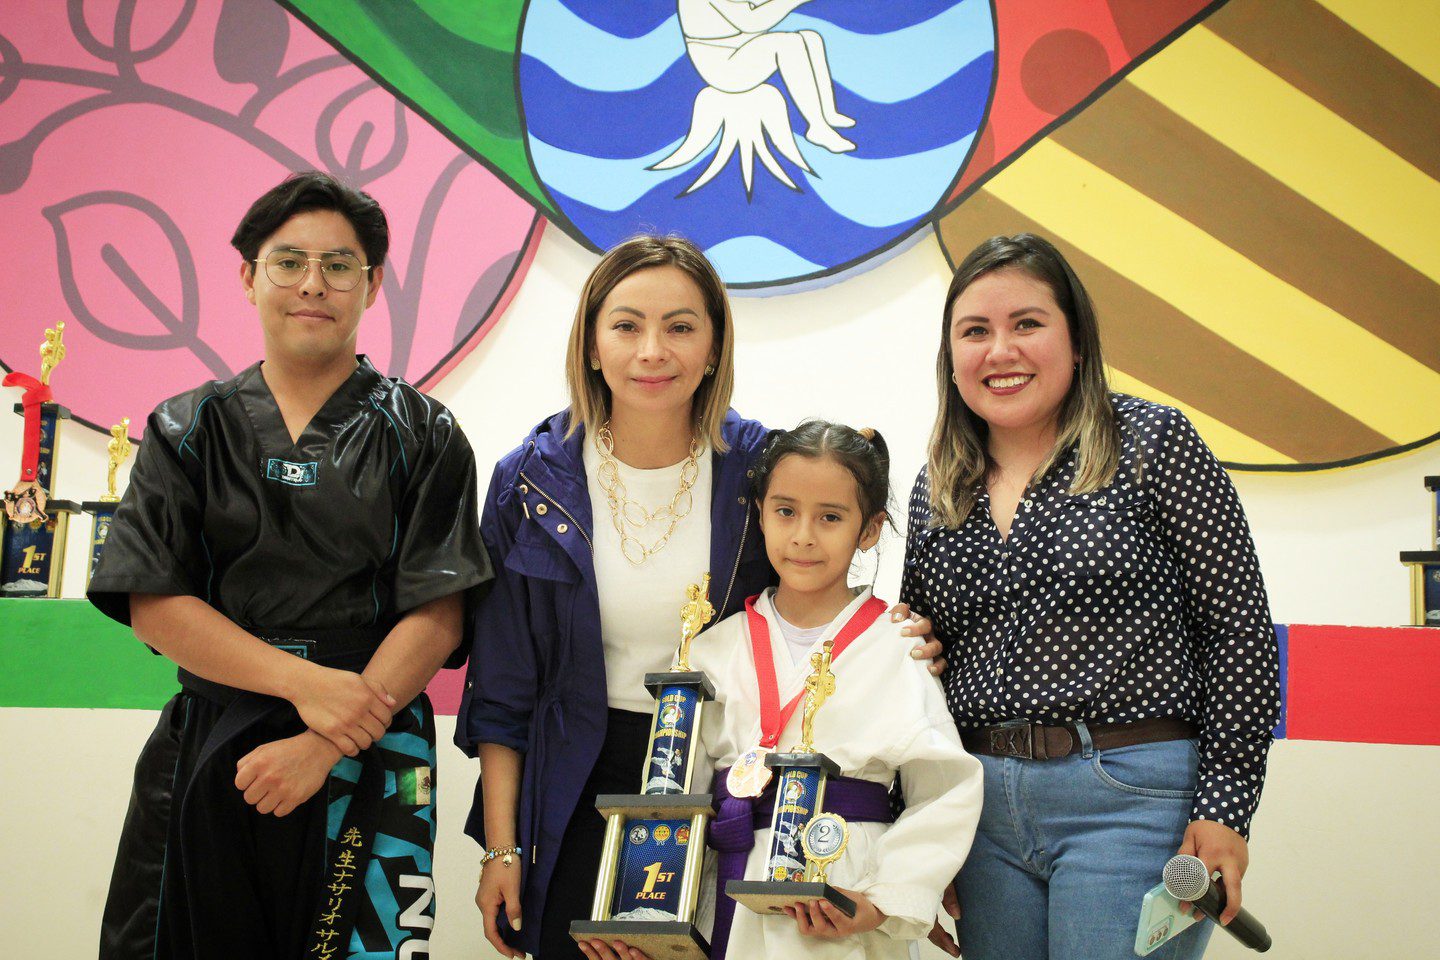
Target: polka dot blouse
1140, 600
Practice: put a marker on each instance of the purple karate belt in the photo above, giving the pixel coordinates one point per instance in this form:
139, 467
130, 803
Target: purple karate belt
732, 832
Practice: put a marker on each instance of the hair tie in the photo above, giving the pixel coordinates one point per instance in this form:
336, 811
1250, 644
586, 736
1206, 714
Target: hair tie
868, 433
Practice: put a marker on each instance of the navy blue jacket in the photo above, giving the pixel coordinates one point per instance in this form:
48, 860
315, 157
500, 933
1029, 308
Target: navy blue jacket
536, 679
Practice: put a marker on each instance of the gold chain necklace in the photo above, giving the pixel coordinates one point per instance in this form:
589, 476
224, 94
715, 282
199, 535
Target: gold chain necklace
626, 512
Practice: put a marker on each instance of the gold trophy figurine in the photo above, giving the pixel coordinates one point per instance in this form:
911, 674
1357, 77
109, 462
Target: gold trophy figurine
52, 351
696, 612
119, 448
103, 510
818, 688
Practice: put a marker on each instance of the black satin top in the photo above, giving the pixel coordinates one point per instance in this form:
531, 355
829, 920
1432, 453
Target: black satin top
371, 514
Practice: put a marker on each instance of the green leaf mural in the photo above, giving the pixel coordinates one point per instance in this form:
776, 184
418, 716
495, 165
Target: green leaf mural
449, 60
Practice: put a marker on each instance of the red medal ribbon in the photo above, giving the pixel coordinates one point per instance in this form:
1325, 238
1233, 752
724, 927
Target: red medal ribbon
36, 394
772, 718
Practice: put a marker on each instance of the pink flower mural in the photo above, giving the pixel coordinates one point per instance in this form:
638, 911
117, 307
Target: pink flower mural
132, 138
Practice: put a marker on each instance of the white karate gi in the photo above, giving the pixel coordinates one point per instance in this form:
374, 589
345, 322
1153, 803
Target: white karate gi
887, 714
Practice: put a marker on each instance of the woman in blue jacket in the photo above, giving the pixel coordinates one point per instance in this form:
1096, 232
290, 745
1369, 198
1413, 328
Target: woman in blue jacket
596, 523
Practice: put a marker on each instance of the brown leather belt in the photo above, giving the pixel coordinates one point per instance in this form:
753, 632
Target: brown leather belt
1031, 741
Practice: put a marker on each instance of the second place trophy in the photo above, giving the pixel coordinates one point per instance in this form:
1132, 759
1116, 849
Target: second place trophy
654, 849
804, 840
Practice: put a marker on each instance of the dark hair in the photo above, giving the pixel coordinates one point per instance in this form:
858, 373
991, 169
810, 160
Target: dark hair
863, 452
959, 460
312, 190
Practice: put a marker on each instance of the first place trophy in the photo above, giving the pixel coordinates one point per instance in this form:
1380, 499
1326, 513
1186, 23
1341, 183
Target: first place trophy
650, 866
103, 510
803, 840
33, 555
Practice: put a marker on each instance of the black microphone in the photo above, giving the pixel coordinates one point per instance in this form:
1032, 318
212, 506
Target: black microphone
1187, 879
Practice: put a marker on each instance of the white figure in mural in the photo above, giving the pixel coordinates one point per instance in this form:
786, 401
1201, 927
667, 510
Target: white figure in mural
734, 50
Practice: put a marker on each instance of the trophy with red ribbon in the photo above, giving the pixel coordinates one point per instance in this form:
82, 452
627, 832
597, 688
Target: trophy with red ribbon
650, 866
35, 525
103, 510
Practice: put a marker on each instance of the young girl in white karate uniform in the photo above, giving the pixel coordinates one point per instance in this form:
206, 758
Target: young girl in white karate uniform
823, 490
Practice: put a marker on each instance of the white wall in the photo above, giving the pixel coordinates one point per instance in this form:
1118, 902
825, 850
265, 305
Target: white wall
1357, 816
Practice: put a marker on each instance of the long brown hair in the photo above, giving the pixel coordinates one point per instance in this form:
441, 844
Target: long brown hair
959, 461
589, 394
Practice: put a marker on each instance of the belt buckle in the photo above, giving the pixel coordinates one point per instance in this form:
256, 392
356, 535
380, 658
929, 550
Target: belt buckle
1013, 738
300, 648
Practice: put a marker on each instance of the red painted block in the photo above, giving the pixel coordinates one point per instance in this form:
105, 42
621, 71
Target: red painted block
1364, 684
445, 689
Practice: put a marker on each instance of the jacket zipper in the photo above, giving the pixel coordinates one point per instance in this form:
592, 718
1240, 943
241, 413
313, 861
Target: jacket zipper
738, 554
578, 528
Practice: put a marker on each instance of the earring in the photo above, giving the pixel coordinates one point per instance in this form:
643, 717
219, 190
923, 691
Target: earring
709, 369
594, 363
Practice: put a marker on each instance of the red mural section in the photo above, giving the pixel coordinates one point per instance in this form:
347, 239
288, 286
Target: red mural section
1052, 56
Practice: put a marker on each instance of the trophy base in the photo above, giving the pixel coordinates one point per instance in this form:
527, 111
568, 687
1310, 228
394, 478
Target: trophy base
660, 939
767, 897
656, 806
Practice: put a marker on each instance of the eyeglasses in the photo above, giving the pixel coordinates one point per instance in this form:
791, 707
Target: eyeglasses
341, 271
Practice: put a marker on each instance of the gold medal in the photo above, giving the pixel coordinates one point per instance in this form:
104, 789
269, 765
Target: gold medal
749, 776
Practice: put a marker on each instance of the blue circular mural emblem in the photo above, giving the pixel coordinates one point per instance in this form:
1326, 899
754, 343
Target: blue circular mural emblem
790, 139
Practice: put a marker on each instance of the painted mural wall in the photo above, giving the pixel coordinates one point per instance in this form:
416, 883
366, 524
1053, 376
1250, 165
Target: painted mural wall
1249, 189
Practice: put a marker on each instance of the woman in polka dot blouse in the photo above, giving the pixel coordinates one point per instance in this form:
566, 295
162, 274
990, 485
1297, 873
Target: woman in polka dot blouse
1086, 562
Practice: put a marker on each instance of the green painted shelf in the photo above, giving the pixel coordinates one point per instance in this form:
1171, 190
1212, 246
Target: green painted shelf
65, 653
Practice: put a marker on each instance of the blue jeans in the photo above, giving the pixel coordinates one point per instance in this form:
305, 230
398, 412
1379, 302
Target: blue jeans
1068, 848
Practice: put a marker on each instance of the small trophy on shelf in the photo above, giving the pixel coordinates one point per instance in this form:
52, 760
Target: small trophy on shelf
653, 855
803, 840
1425, 568
35, 525
103, 510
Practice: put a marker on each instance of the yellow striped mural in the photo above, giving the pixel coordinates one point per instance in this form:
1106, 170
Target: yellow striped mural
1256, 210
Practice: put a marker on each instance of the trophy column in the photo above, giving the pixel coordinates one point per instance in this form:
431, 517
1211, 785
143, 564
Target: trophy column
653, 856
32, 559
802, 839
103, 510
1425, 568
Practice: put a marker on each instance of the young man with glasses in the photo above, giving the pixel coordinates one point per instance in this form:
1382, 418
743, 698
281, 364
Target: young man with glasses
301, 540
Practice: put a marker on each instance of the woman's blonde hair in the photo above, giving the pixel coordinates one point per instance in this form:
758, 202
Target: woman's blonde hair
959, 461
589, 394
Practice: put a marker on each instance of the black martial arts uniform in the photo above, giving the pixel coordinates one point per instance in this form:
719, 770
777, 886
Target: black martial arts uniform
318, 547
